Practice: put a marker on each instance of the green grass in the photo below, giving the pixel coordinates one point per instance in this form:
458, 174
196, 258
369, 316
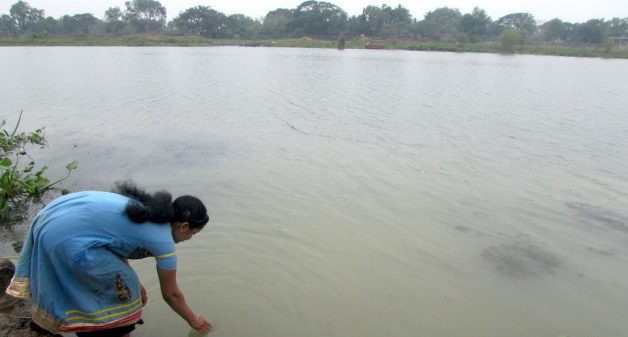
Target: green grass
130, 40
393, 44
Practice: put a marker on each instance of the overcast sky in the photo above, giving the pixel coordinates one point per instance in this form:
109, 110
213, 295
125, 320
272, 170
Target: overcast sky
573, 11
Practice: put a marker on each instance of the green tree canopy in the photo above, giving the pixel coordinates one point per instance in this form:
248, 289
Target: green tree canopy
47, 26
146, 16
310, 18
592, 31
79, 24
476, 24
25, 16
201, 20
242, 26
523, 22
384, 20
439, 22
556, 30
7, 25
321, 19
397, 22
276, 22
114, 20
618, 27
395, 15
370, 21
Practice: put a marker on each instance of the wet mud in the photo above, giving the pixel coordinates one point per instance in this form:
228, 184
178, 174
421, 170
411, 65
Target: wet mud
15, 315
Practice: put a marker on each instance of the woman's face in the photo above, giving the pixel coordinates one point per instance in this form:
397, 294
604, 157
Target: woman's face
181, 231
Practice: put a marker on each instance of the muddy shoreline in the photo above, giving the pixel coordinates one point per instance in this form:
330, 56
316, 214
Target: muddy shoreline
15, 314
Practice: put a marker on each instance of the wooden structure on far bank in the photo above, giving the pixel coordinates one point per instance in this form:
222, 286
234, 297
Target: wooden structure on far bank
375, 44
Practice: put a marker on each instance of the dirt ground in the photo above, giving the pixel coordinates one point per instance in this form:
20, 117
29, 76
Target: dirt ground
15, 315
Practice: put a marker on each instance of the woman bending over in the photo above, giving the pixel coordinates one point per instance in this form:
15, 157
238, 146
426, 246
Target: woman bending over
74, 263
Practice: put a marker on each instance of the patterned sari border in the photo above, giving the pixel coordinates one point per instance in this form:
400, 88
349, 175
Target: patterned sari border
78, 327
19, 287
45, 320
56, 325
102, 318
96, 313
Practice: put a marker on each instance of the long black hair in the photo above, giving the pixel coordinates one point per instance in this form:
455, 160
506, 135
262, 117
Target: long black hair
159, 207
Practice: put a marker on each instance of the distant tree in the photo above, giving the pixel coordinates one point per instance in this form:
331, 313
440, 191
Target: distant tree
113, 14
510, 38
114, 20
554, 30
146, 16
321, 19
439, 23
7, 26
201, 20
67, 25
592, 31
523, 22
354, 26
79, 24
462, 38
398, 14
47, 26
25, 16
370, 22
476, 24
276, 22
382, 21
397, 22
242, 26
618, 27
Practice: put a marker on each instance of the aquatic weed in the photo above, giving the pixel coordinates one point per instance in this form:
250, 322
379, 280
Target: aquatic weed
19, 182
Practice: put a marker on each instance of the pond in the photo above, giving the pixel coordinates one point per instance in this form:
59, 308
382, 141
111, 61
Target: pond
357, 192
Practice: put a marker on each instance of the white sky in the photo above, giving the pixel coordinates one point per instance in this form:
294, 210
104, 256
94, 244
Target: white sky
573, 11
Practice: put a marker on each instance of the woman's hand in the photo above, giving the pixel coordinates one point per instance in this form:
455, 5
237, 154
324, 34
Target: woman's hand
175, 299
200, 324
144, 295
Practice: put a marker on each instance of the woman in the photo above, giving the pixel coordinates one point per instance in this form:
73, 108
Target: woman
74, 261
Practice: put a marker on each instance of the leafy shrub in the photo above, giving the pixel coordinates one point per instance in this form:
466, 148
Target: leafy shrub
510, 38
462, 38
19, 182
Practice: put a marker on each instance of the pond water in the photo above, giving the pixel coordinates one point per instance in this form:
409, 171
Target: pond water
356, 192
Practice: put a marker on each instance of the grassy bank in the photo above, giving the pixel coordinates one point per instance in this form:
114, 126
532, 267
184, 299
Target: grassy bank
191, 41
130, 40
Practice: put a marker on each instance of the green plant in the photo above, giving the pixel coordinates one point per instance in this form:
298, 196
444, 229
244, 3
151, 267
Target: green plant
19, 183
510, 38
608, 45
463, 38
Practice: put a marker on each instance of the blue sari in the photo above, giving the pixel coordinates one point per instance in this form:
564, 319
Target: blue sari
73, 263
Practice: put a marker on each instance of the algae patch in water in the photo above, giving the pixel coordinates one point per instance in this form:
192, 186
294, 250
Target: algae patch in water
522, 258
600, 216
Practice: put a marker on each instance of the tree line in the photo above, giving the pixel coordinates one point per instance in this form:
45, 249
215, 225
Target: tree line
315, 19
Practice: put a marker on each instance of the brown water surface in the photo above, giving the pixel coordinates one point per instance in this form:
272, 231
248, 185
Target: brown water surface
358, 193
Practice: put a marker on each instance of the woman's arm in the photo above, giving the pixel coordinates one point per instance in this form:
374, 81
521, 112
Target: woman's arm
175, 299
